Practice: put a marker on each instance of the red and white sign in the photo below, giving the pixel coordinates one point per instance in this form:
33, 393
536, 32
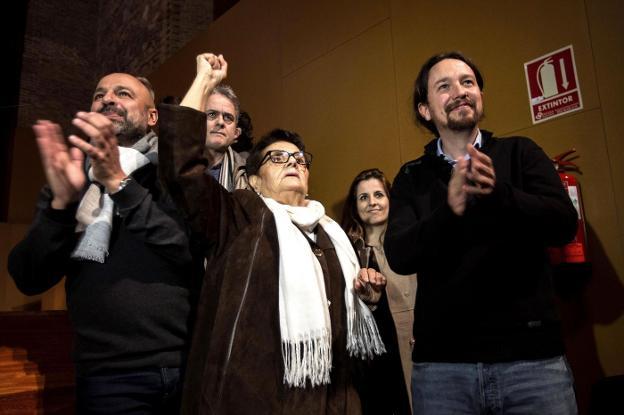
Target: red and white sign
553, 85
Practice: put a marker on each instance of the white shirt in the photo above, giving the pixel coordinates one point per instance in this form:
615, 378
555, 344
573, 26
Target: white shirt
452, 162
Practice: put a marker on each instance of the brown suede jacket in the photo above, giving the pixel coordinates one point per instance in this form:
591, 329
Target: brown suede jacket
235, 363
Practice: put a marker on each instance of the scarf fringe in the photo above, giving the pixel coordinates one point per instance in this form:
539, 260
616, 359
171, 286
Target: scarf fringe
363, 339
305, 324
307, 358
90, 252
93, 244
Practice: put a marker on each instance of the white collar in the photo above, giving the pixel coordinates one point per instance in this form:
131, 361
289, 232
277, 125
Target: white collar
440, 152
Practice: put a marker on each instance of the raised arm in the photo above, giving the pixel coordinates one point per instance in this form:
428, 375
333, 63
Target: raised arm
203, 201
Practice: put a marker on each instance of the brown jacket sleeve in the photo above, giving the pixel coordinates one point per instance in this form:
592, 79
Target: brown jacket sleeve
205, 204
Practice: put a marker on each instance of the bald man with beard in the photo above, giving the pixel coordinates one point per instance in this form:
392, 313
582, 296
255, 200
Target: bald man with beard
104, 223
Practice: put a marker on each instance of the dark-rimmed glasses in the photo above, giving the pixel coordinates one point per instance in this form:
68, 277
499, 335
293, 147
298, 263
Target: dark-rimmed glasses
282, 156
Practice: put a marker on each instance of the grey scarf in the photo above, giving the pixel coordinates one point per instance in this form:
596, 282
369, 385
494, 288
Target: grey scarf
95, 211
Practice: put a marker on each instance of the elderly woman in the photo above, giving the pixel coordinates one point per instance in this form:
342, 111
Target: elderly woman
281, 322
364, 219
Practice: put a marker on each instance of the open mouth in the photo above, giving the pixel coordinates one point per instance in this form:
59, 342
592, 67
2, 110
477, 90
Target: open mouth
292, 174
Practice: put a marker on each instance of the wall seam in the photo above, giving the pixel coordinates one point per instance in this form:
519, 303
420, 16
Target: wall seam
396, 89
618, 217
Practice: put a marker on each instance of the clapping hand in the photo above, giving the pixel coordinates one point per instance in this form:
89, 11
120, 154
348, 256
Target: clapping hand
63, 166
102, 148
470, 177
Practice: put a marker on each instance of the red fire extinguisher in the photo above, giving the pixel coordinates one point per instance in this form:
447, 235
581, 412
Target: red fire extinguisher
576, 250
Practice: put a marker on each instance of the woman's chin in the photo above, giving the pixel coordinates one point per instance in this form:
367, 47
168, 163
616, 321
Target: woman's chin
294, 196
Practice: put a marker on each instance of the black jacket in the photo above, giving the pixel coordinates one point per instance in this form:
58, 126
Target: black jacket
485, 289
133, 310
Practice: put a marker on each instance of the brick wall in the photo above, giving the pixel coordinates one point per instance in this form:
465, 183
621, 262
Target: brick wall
57, 75
70, 44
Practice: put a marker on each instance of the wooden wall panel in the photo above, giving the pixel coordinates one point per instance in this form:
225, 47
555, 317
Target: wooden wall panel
248, 37
310, 29
26, 176
605, 23
607, 36
347, 117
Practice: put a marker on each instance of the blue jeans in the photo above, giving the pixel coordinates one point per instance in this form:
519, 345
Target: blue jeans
520, 387
156, 391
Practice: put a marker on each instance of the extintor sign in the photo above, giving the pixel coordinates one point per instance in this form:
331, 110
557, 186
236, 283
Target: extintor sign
553, 85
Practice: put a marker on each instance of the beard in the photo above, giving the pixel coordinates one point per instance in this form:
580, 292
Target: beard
127, 131
462, 120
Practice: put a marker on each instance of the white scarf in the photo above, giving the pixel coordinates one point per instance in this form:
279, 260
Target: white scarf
95, 211
305, 324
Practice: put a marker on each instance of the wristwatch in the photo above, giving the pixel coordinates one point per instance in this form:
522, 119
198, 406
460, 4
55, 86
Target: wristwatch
123, 183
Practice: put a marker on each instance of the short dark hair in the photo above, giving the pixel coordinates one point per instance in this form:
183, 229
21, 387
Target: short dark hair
244, 142
256, 155
421, 85
148, 85
351, 222
171, 100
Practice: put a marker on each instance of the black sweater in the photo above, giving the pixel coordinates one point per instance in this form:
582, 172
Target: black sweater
132, 311
484, 282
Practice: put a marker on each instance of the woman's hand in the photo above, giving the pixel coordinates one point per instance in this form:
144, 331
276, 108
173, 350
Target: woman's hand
369, 285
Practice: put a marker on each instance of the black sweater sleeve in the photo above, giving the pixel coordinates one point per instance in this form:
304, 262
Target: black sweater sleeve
536, 196
41, 259
207, 207
528, 198
151, 217
403, 242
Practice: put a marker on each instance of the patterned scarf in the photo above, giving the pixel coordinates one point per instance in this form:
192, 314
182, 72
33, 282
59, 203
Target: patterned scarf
95, 211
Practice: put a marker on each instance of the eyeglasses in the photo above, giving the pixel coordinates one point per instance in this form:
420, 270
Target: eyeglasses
227, 117
282, 156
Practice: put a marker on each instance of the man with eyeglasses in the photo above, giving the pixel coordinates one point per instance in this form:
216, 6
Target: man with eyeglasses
222, 109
